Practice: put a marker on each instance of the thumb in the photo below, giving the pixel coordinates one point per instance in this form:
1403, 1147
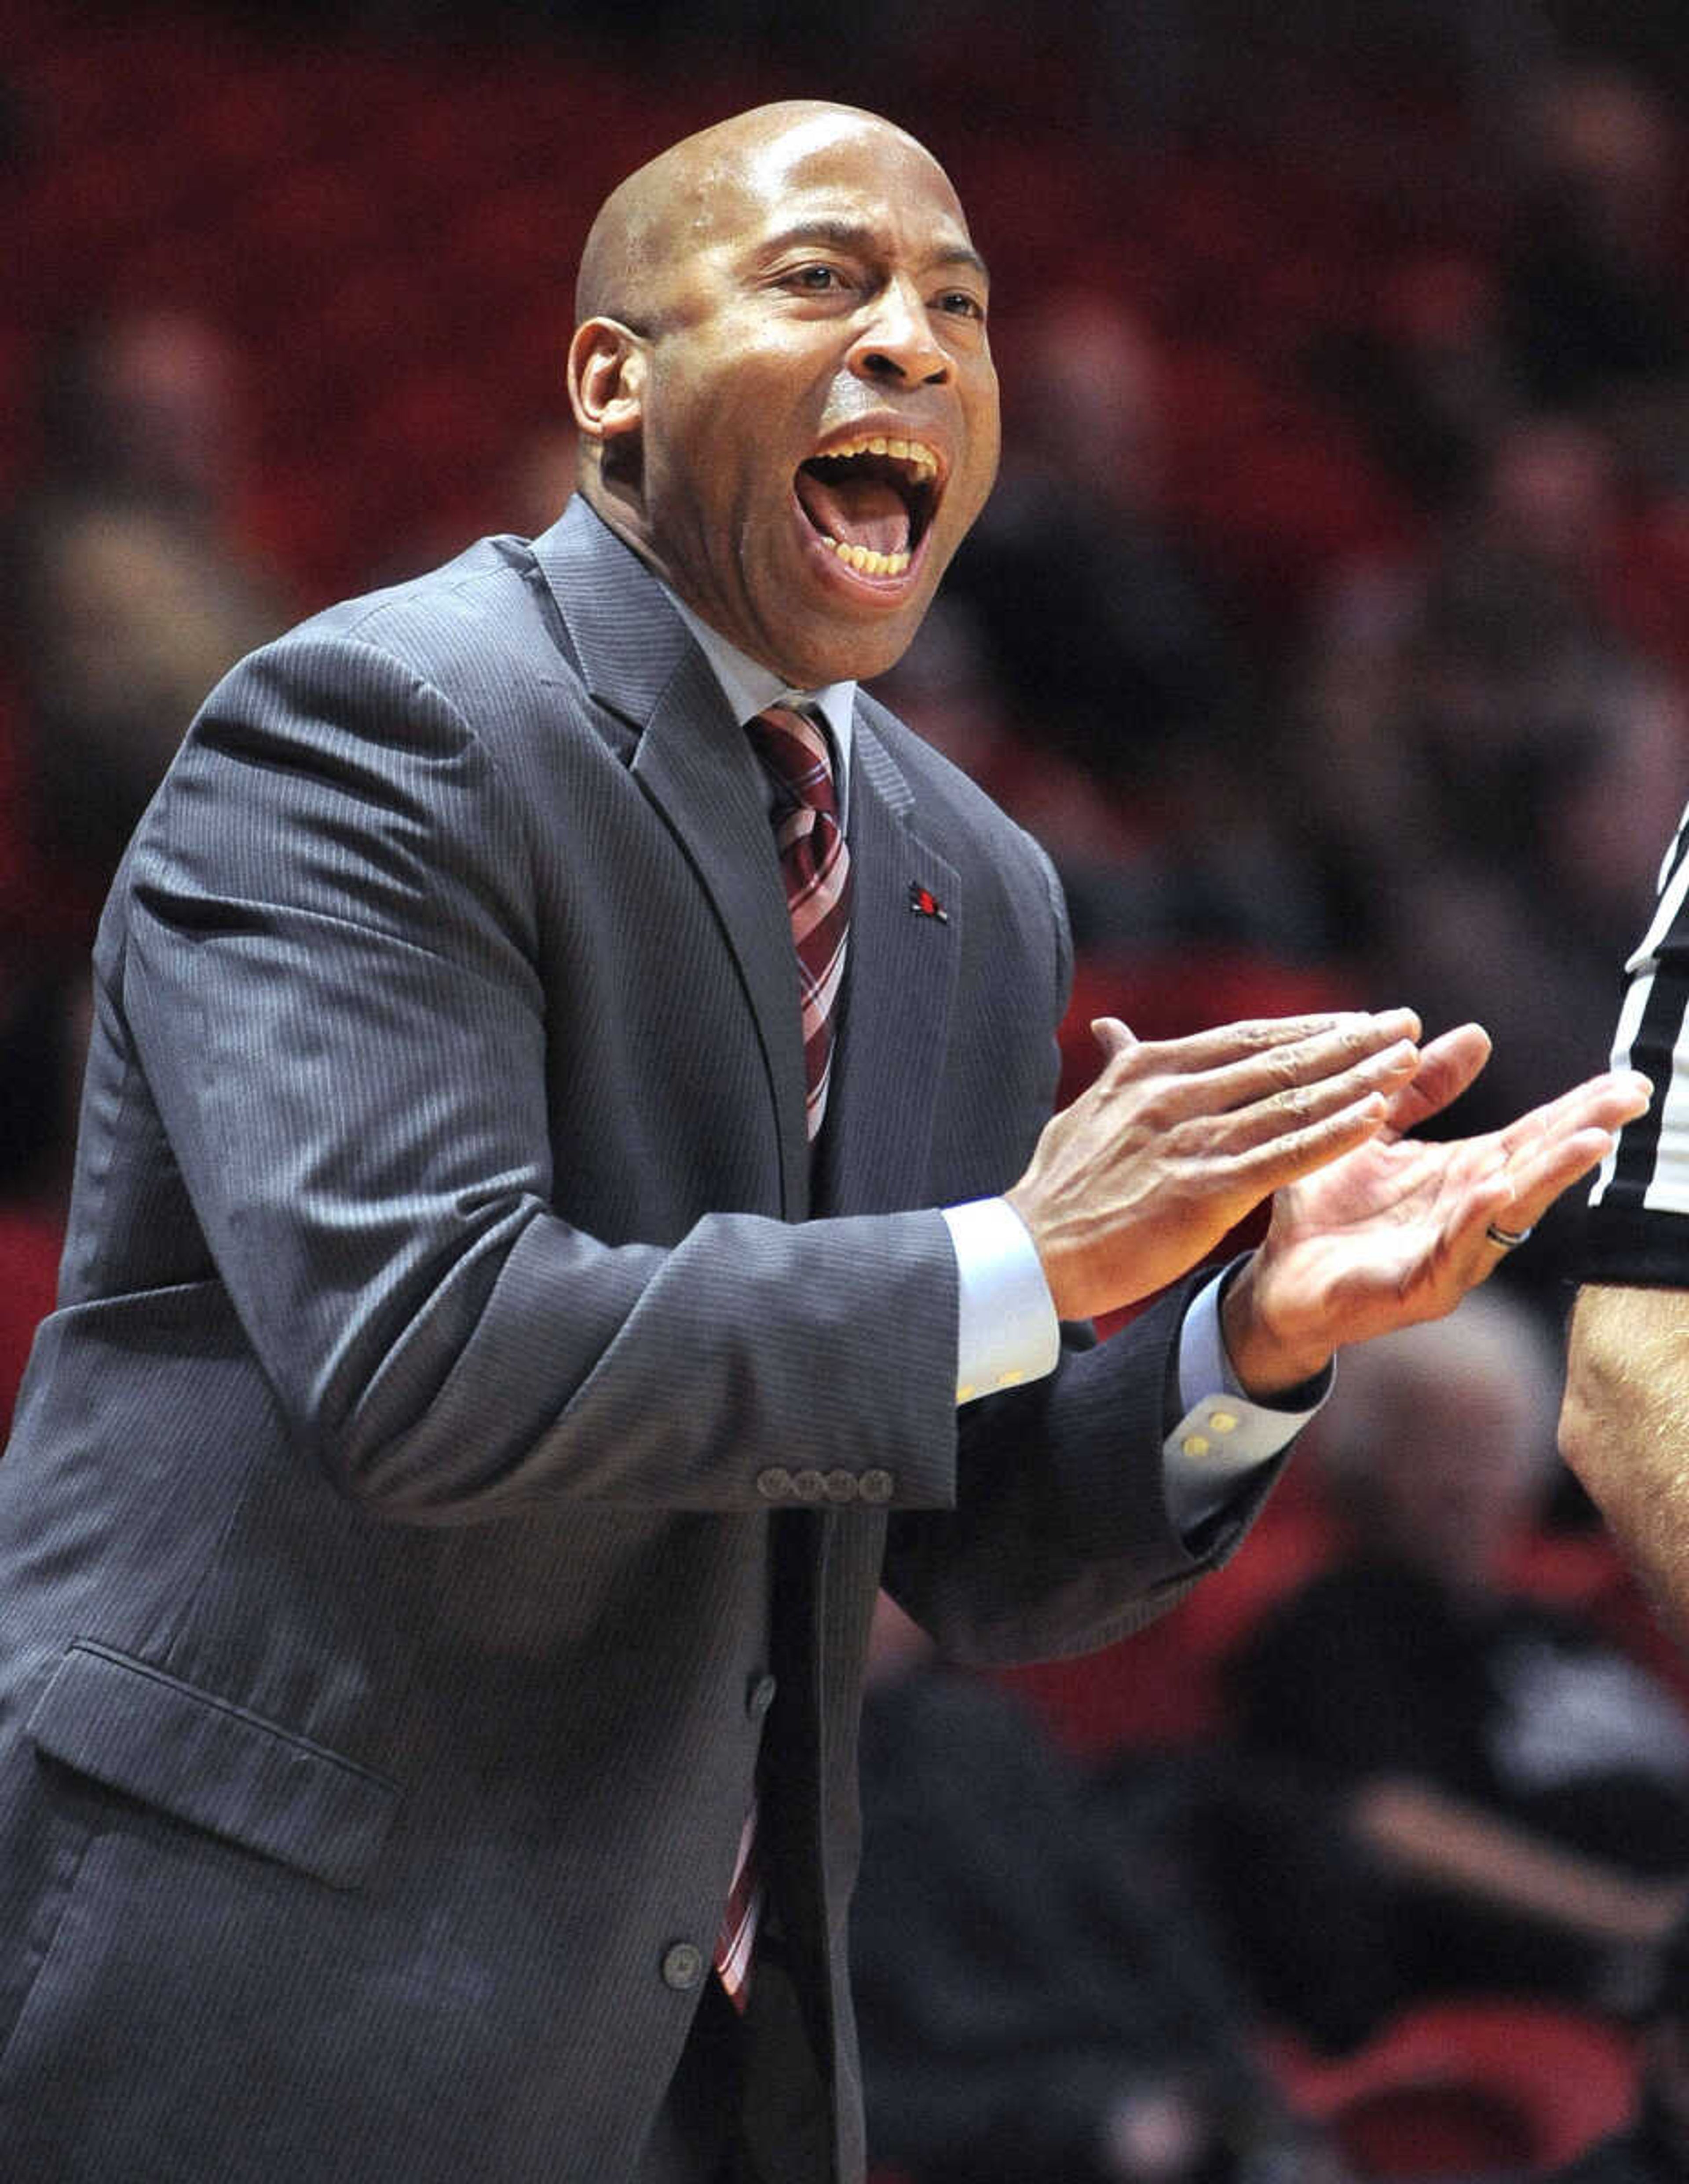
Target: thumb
1112, 1036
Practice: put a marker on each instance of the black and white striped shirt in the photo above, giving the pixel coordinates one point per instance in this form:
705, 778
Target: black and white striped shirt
1638, 1224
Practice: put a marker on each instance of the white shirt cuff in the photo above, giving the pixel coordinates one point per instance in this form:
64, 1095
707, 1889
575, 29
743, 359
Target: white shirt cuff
1223, 1435
1006, 1330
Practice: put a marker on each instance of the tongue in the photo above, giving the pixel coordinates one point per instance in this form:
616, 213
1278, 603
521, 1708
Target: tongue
856, 511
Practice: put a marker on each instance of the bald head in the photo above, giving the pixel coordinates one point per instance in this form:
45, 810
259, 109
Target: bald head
672, 207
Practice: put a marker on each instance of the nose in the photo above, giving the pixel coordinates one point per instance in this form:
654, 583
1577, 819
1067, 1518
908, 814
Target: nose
897, 342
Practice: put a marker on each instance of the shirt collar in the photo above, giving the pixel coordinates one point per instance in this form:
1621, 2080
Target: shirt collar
750, 688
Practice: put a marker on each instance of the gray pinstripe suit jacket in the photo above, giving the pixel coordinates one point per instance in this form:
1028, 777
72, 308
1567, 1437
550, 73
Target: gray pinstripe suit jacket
462, 1397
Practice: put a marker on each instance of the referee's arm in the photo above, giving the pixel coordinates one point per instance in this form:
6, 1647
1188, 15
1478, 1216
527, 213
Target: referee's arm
1624, 1423
1624, 1427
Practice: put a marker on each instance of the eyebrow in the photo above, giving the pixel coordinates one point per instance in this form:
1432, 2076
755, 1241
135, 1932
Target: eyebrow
856, 235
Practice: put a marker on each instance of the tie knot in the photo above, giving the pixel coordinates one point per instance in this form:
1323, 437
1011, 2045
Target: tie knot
794, 751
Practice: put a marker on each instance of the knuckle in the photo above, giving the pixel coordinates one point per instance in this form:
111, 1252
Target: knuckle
1191, 1188
1150, 1101
1284, 1032
1183, 1152
1125, 1065
1285, 1073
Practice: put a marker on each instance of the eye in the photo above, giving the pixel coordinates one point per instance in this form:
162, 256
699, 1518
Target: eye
959, 304
816, 280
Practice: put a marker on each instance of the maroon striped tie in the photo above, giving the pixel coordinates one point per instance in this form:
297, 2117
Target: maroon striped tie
738, 1935
815, 865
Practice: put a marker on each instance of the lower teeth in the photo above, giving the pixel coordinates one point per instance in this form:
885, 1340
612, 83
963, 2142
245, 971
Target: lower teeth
864, 559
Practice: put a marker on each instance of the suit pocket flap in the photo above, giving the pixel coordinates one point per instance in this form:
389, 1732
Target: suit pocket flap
132, 1727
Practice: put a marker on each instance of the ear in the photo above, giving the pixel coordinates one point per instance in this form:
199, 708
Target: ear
607, 365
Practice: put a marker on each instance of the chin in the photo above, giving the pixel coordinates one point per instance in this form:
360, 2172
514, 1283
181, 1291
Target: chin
857, 664
854, 653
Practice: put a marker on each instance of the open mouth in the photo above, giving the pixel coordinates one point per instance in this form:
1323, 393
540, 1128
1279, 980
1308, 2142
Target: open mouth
871, 500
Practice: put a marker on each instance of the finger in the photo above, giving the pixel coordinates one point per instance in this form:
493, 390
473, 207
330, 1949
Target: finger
1285, 1085
1349, 1033
1515, 1197
1529, 1186
1290, 1107
1573, 1136
1606, 1102
1285, 1156
1448, 1065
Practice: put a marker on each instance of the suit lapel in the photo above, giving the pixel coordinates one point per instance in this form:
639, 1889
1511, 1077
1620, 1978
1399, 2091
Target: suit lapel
899, 990
695, 764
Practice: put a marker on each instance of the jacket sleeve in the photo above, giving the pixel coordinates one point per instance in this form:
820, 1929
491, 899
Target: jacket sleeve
331, 983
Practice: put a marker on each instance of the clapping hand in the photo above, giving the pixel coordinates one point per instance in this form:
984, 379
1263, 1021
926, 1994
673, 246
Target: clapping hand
1398, 1229
1177, 1139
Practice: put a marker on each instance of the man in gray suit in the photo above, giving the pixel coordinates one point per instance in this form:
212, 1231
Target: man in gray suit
445, 1511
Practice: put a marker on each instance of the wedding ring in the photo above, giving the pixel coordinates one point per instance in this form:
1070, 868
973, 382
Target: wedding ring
1506, 1239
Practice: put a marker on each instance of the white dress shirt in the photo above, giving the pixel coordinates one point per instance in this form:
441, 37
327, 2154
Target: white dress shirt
1007, 1329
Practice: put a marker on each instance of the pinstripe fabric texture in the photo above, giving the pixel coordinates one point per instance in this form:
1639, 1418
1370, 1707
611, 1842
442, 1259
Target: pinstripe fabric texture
419, 1518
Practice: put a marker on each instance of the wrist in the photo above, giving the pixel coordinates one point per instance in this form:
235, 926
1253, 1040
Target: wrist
1053, 1265
1268, 1359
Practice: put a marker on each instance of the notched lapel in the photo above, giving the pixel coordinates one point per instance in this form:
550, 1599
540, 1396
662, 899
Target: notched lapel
696, 764
899, 992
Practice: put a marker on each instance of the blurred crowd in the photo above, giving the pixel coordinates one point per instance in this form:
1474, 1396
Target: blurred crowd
1329, 627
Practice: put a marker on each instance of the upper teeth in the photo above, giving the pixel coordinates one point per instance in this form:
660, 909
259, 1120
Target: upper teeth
921, 459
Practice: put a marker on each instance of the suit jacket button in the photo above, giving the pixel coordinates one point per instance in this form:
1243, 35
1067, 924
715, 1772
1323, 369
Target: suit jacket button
774, 1485
875, 1485
759, 1696
808, 1485
841, 1485
683, 1966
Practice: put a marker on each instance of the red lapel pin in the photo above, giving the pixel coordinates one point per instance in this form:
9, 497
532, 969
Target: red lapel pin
925, 903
